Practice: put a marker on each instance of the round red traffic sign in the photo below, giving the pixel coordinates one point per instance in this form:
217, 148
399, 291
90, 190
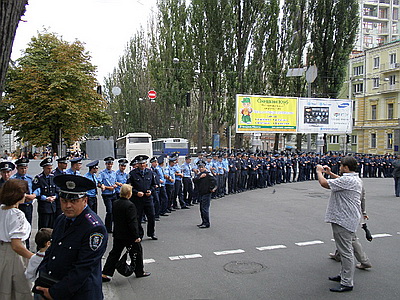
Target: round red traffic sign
152, 94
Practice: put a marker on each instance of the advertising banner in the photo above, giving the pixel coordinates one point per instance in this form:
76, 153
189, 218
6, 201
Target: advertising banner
265, 114
325, 115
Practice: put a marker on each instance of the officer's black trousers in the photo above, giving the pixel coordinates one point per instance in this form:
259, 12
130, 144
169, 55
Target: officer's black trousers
144, 205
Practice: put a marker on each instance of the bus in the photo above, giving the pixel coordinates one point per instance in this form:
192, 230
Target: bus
134, 144
167, 146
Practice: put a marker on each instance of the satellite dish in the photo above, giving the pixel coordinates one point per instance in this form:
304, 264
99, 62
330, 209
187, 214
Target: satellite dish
116, 90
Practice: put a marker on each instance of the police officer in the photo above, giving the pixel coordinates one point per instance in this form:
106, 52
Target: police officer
76, 164
45, 189
79, 241
121, 176
163, 197
108, 179
27, 206
187, 181
156, 191
62, 163
92, 194
142, 181
5, 168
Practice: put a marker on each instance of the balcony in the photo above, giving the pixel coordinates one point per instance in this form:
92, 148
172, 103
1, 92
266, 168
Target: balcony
389, 67
390, 88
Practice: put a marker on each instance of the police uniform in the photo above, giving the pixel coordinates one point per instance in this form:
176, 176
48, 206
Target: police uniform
156, 191
6, 166
92, 194
169, 183
108, 178
71, 171
57, 172
163, 197
27, 206
77, 246
143, 181
187, 182
45, 189
121, 177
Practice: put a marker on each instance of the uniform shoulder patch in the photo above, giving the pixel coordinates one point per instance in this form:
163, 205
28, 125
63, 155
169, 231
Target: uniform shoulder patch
95, 240
36, 180
92, 219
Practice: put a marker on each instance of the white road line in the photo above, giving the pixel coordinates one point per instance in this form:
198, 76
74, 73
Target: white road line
380, 235
309, 243
148, 261
189, 256
229, 252
271, 247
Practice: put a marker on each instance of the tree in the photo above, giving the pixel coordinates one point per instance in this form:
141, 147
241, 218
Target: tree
51, 92
10, 14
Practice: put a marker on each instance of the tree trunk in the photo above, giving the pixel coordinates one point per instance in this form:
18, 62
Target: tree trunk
10, 14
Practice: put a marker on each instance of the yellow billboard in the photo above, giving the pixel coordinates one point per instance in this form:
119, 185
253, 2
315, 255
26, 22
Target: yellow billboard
265, 114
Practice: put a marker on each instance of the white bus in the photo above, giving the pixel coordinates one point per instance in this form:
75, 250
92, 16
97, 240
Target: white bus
134, 144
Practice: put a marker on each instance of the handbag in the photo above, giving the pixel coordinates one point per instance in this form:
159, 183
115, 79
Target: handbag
123, 267
44, 280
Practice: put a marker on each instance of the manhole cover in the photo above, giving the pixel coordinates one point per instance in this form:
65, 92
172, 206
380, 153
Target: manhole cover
243, 267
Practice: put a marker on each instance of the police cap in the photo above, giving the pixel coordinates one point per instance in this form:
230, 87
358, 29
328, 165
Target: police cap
62, 159
200, 163
73, 186
109, 159
153, 159
7, 166
172, 159
76, 160
160, 159
46, 162
123, 161
22, 162
141, 159
92, 164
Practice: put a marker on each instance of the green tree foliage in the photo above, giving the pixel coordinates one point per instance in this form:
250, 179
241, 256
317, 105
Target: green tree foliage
51, 90
217, 49
334, 26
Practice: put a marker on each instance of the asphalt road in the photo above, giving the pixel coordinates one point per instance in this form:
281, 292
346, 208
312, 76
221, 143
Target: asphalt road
252, 249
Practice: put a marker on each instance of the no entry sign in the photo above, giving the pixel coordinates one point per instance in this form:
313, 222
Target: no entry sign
152, 94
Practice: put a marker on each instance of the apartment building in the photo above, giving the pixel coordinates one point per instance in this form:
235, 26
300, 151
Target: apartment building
374, 83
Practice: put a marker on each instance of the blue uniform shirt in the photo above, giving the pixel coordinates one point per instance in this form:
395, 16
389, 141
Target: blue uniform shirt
121, 177
179, 170
161, 173
28, 179
187, 170
170, 171
108, 178
72, 172
95, 179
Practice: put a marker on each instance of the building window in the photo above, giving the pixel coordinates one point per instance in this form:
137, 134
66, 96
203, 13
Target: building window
354, 139
392, 79
334, 139
358, 88
392, 59
383, 13
358, 70
390, 141
376, 62
390, 110
376, 82
373, 140
395, 15
373, 112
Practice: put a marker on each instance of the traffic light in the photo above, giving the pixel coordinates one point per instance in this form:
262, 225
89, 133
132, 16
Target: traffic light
226, 131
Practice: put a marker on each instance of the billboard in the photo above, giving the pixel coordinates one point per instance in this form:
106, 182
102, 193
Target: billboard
318, 115
265, 114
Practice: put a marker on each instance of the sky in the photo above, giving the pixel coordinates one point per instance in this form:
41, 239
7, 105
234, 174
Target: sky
105, 26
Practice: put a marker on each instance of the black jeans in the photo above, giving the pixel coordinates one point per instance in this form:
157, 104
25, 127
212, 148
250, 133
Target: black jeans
115, 254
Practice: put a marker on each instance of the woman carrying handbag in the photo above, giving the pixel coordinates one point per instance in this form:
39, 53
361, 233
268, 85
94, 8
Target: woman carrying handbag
125, 235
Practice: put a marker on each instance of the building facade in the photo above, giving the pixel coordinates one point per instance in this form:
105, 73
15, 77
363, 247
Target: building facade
374, 82
379, 23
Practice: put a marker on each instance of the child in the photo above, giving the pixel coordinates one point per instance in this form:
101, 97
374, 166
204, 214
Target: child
42, 240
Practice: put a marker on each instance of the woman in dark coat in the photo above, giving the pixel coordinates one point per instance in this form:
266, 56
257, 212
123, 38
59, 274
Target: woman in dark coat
125, 235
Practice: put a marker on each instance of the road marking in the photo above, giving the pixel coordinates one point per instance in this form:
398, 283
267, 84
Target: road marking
229, 252
271, 247
189, 256
309, 243
380, 235
148, 261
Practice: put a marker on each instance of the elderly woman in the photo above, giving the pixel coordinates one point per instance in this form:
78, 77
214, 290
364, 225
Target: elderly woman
14, 230
126, 234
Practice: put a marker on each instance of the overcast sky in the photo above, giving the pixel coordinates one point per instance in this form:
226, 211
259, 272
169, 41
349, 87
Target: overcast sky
105, 26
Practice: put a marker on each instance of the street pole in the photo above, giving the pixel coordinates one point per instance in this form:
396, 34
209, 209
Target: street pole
229, 139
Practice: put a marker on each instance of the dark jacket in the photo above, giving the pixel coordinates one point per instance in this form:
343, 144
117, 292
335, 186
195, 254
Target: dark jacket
74, 257
396, 170
125, 220
205, 185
